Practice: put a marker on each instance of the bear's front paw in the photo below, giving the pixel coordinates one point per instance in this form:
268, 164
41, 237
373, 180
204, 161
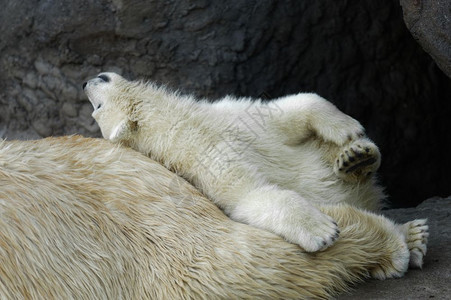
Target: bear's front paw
315, 232
358, 160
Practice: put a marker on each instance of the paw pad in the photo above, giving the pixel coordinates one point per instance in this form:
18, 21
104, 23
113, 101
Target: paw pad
358, 160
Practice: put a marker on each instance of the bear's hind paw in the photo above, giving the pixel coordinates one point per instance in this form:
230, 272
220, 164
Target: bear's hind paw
395, 267
357, 161
417, 233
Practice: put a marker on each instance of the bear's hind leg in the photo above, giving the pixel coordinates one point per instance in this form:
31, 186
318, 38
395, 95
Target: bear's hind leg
385, 242
415, 234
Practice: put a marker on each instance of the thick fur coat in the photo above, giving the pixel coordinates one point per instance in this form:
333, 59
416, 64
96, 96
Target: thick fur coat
85, 219
269, 165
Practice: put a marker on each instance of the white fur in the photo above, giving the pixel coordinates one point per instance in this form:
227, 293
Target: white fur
265, 164
86, 219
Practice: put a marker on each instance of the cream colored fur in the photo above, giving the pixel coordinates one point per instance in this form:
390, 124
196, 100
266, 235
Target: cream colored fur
265, 164
84, 219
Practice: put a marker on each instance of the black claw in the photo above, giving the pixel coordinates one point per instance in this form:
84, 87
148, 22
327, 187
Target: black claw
367, 149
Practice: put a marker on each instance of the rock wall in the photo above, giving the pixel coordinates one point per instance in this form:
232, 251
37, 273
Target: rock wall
358, 55
430, 25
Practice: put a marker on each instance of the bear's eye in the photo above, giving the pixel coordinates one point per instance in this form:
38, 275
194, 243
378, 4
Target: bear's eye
99, 106
104, 78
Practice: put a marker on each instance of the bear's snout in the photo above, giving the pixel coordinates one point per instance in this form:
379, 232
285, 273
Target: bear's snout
103, 77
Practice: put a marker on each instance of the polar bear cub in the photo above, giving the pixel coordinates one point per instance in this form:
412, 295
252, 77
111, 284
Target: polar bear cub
269, 165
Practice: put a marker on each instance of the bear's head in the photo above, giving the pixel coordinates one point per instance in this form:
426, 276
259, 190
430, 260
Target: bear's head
112, 98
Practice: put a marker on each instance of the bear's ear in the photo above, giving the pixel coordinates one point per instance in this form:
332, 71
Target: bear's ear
122, 131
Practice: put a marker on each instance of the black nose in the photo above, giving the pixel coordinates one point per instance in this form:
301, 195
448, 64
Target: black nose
84, 84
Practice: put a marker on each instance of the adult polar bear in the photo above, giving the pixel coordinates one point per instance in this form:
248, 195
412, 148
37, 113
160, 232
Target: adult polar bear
268, 172
84, 219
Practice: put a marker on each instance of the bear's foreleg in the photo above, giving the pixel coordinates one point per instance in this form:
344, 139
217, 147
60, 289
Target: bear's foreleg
287, 214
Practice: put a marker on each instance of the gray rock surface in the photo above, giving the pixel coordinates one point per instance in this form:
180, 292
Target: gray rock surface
358, 54
434, 280
429, 21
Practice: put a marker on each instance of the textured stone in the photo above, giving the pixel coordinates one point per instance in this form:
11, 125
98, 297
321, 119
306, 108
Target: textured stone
69, 109
430, 24
358, 54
